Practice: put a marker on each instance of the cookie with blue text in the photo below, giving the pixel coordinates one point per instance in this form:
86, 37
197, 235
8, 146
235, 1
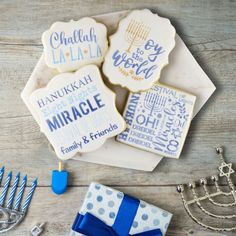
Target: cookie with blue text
77, 112
158, 120
71, 45
139, 50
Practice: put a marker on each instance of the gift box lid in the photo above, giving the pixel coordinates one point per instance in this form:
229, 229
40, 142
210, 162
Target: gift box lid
104, 203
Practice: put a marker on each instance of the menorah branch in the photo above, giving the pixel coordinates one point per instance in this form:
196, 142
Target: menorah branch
226, 171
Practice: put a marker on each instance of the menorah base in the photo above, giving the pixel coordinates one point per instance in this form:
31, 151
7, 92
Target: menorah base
226, 171
9, 219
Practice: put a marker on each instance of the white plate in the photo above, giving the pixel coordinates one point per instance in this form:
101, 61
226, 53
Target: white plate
183, 72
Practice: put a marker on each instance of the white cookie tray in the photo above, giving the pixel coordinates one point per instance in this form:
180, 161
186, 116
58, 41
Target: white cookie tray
183, 72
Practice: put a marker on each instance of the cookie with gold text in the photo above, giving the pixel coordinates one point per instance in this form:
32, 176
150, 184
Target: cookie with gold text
77, 112
158, 120
71, 45
139, 50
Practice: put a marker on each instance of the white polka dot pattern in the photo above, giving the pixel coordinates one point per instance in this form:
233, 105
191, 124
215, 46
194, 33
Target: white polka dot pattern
150, 217
104, 202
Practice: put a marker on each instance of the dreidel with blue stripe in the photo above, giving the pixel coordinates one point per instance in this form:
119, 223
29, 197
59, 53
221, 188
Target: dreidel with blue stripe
59, 180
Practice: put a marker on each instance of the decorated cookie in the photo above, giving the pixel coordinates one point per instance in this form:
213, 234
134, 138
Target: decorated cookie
71, 45
77, 112
158, 120
139, 50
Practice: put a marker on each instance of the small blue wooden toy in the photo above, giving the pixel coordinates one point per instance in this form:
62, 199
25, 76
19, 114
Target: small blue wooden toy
59, 180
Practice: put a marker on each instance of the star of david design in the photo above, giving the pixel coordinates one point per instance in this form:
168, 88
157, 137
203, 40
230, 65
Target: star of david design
176, 133
227, 172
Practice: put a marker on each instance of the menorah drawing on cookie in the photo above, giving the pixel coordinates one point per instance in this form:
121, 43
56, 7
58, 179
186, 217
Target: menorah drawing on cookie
226, 171
154, 102
12, 214
136, 34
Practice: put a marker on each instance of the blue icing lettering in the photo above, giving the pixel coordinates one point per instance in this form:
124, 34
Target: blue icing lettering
157, 120
82, 109
76, 53
130, 113
156, 48
60, 59
147, 121
68, 89
78, 144
142, 60
96, 53
78, 36
79, 53
128, 62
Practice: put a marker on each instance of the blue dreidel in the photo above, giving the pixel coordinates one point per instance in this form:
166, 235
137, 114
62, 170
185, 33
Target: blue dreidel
59, 180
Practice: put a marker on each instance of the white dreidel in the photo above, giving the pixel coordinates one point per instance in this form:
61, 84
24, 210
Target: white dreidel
37, 230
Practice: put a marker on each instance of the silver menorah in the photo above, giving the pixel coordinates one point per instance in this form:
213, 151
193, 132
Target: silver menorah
225, 171
11, 215
154, 102
136, 34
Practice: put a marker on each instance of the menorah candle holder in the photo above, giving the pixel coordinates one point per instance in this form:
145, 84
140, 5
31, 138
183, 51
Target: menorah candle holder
11, 215
136, 34
154, 103
225, 171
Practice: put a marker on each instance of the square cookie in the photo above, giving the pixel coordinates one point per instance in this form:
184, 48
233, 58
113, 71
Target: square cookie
158, 120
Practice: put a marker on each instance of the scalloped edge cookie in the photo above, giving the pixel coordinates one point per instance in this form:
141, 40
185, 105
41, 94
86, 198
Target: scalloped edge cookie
77, 112
139, 50
70, 45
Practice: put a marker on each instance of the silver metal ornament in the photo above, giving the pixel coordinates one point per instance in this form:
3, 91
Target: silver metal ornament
225, 171
13, 212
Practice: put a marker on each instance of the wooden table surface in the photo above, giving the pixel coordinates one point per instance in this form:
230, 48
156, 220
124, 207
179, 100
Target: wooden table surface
208, 29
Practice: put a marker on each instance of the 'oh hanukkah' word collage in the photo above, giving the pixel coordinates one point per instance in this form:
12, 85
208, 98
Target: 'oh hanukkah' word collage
158, 120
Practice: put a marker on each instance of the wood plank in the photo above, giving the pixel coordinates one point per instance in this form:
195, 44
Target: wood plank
208, 28
59, 212
198, 21
211, 127
218, 64
194, 164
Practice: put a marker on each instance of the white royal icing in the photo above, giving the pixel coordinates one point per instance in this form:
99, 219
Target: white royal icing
71, 45
158, 120
77, 112
139, 50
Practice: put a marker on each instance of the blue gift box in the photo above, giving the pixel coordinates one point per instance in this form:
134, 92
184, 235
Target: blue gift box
109, 212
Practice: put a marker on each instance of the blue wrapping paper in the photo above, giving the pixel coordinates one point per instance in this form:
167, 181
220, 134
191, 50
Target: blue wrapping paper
111, 207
